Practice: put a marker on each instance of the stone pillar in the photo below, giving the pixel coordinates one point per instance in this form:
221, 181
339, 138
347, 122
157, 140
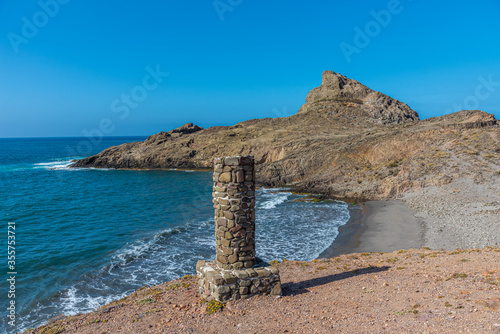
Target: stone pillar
234, 204
236, 272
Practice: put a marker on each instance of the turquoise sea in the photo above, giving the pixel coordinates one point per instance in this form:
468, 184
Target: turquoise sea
85, 237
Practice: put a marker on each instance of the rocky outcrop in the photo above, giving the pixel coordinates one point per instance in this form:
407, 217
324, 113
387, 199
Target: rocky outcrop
470, 119
161, 137
343, 95
347, 142
162, 150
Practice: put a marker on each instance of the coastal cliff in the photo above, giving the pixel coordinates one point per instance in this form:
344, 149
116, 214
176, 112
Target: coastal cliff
347, 142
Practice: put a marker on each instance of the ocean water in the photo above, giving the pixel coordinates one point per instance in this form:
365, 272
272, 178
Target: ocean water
85, 237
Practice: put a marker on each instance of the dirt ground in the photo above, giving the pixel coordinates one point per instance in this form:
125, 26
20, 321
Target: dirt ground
414, 291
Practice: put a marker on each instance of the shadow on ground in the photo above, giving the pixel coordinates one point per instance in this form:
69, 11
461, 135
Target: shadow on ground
291, 288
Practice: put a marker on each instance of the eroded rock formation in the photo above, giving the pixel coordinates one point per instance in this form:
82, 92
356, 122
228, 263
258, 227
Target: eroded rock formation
347, 141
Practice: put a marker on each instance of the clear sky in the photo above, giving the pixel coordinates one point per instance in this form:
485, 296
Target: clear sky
72, 67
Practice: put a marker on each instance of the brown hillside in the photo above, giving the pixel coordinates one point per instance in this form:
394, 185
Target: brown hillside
347, 141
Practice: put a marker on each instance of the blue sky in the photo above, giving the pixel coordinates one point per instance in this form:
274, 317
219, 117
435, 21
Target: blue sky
67, 67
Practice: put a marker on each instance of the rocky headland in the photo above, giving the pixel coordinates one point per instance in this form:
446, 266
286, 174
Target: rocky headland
346, 142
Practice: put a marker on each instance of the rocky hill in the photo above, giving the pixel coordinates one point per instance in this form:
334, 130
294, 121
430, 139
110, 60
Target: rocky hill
347, 141
339, 94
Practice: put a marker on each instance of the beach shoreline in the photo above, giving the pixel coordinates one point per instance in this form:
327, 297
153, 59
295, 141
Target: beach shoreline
462, 214
378, 226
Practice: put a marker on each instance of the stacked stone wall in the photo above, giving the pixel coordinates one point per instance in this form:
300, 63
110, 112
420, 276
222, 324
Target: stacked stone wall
234, 203
224, 285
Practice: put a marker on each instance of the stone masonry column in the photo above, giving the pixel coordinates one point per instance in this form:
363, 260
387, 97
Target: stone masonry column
235, 273
234, 204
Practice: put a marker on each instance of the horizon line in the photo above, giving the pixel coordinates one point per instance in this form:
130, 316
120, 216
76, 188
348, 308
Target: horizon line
72, 137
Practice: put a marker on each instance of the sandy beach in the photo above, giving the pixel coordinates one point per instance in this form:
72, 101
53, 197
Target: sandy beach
378, 226
461, 215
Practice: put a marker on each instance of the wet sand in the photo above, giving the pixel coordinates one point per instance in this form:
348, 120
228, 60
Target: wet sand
378, 226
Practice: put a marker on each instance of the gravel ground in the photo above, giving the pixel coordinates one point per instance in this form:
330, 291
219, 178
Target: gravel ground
461, 214
414, 291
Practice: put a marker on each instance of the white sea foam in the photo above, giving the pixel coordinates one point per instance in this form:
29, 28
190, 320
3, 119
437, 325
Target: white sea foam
270, 199
299, 230
58, 164
166, 254
73, 301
